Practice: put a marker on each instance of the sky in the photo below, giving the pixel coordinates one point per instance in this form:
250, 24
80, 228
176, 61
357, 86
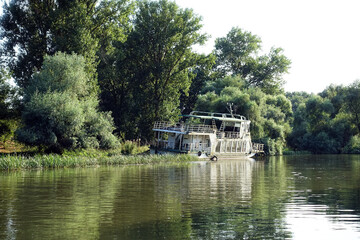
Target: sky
320, 37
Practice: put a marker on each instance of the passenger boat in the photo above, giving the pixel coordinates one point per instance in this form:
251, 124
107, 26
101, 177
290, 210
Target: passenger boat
205, 134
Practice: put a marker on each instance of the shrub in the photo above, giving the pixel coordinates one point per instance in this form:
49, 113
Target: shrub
272, 146
353, 145
7, 129
59, 111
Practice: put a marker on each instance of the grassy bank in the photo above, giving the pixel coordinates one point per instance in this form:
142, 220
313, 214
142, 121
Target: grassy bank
51, 161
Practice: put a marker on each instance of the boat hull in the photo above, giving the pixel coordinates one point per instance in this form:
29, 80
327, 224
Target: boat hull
217, 156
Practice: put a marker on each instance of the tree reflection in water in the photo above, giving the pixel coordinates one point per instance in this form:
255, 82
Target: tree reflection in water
229, 199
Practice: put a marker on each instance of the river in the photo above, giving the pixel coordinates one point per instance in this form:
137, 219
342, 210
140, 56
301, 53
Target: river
288, 197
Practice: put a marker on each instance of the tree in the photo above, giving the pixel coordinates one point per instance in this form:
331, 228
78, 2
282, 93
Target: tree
5, 92
9, 110
352, 99
336, 94
202, 74
154, 65
270, 115
318, 113
33, 29
237, 54
321, 123
297, 99
60, 112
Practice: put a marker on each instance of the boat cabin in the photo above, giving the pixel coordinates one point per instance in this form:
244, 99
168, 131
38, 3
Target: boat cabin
206, 133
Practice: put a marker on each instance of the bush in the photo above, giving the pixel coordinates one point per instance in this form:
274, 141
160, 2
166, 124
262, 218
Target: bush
133, 147
322, 143
59, 111
7, 129
353, 145
271, 146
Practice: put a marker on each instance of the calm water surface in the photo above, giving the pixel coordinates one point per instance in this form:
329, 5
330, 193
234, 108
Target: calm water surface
302, 197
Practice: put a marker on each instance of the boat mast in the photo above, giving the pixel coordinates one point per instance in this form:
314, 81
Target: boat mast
230, 108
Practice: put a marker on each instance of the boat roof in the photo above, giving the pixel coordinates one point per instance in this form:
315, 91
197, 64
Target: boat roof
217, 116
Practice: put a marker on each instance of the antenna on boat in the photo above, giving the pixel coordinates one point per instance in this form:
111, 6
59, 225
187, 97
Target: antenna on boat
230, 108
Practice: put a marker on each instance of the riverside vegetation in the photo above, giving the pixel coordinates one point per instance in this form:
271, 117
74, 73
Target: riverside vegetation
109, 69
76, 159
128, 152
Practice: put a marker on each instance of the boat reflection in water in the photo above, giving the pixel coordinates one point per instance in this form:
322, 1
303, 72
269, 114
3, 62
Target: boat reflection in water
289, 197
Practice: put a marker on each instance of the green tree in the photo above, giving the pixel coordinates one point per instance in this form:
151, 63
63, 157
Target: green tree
318, 113
237, 54
9, 107
336, 94
202, 74
33, 29
154, 65
5, 92
299, 127
60, 112
270, 115
321, 122
297, 99
353, 146
352, 103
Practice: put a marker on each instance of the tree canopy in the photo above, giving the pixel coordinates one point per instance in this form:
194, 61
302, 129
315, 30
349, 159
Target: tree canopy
33, 29
324, 123
140, 55
237, 54
154, 65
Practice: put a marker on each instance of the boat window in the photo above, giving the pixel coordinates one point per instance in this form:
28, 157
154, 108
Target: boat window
229, 129
208, 122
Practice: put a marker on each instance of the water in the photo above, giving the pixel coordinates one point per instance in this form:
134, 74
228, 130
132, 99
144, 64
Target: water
295, 197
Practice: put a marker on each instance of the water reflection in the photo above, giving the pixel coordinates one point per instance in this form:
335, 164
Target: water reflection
234, 199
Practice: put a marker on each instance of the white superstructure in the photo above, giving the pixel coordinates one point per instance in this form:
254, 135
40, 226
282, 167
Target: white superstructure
207, 134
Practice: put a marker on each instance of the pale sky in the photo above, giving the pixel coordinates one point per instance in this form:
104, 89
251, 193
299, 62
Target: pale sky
320, 37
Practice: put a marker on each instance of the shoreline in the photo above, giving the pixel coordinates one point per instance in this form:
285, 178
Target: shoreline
54, 161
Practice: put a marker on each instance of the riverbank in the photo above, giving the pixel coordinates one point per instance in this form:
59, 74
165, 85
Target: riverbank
53, 161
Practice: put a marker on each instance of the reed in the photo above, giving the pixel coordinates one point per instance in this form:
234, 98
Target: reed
52, 161
132, 147
145, 159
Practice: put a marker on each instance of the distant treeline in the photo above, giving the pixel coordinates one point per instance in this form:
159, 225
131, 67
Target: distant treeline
91, 73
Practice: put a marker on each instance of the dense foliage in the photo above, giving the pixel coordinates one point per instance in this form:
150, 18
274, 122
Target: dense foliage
59, 112
327, 122
270, 114
140, 55
33, 29
9, 107
152, 67
238, 54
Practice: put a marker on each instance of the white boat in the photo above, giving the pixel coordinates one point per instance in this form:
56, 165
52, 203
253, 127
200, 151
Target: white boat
207, 135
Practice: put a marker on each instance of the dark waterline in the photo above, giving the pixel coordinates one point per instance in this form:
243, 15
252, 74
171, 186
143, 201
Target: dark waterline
289, 197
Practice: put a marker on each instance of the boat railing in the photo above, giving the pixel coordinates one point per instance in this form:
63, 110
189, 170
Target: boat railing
191, 147
169, 126
200, 128
258, 147
217, 115
195, 147
231, 135
164, 144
